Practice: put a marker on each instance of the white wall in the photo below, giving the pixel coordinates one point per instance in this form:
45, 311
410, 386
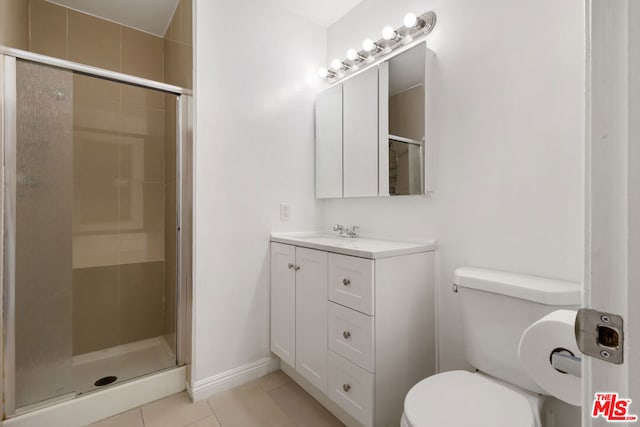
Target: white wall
255, 85
507, 118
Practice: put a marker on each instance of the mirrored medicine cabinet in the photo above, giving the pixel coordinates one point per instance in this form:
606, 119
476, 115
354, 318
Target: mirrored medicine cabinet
371, 131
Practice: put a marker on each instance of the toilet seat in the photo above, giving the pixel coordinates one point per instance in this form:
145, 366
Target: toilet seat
461, 399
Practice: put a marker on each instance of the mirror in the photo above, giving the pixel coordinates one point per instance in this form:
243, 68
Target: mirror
370, 131
328, 112
404, 141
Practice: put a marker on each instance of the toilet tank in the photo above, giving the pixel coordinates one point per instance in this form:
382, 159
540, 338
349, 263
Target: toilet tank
497, 307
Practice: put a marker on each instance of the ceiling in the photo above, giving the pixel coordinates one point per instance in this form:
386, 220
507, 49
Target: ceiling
154, 16
324, 12
150, 16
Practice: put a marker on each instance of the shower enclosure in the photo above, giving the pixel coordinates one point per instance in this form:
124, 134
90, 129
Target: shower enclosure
96, 235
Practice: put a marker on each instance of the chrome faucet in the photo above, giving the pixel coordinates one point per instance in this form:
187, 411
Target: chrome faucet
346, 231
352, 232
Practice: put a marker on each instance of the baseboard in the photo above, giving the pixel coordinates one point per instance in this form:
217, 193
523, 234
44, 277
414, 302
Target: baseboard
207, 387
102, 404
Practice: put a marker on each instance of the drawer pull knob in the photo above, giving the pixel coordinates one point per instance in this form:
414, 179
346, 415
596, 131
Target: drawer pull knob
346, 387
346, 282
290, 266
346, 335
297, 267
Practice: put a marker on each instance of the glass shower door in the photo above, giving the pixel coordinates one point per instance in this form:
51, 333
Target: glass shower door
91, 189
43, 241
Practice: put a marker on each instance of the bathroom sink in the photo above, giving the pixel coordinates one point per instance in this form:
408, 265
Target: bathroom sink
324, 239
364, 247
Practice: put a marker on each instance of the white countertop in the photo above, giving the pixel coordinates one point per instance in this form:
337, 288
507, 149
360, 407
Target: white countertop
363, 247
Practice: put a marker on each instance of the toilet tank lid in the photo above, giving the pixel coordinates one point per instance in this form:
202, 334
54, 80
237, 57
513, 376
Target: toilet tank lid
530, 288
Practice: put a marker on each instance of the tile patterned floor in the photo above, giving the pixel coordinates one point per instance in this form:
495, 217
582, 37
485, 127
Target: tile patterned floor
271, 401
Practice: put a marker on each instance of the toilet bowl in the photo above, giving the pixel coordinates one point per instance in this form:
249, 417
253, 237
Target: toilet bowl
497, 307
460, 398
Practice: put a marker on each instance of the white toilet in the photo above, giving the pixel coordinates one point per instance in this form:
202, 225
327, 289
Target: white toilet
497, 307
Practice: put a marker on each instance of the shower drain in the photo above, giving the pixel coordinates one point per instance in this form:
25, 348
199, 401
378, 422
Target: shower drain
105, 381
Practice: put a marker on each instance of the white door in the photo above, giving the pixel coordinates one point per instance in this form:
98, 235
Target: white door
360, 127
283, 302
311, 316
612, 238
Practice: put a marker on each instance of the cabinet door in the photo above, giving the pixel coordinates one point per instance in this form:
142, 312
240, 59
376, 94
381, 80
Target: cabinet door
311, 316
360, 146
329, 143
283, 302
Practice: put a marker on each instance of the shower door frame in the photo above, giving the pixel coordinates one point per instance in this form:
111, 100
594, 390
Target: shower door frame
184, 209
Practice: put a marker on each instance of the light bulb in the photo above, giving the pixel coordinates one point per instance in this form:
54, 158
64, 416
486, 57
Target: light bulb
352, 54
368, 45
336, 64
388, 33
323, 72
410, 20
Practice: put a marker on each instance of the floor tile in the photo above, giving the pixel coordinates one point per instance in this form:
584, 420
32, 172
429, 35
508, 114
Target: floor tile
271, 401
303, 409
174, 411
211, 421
248, 406
274, 380
131, 418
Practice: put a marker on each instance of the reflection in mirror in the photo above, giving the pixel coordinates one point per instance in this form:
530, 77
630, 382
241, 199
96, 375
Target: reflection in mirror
407, 122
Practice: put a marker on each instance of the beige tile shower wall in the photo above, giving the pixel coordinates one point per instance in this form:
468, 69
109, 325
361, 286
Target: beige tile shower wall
67, 34
178, 47
119, 214
123, 291
119, 177
116, 305
14, 24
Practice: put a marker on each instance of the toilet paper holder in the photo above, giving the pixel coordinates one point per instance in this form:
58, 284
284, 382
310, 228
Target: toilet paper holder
566, 362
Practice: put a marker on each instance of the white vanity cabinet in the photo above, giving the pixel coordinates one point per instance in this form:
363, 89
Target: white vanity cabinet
299, 310
283, 302
354, 322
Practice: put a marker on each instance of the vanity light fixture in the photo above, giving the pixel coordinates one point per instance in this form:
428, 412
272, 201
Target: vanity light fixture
388, 33
354, 55
338, 65
326, 74
370, 46
414, 28
411, 20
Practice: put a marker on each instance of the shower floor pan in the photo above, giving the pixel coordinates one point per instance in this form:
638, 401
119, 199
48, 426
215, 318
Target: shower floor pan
124, 362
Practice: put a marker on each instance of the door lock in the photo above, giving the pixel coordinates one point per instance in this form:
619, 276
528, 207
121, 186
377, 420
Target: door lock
600, 335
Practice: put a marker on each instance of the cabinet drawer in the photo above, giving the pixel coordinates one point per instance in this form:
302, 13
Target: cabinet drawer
351, 335
351, 388
351, 282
